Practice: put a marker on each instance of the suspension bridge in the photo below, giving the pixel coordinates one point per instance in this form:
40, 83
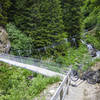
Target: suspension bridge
39, 66
34, 65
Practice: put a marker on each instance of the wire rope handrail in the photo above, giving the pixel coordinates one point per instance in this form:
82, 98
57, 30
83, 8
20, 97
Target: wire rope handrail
50, 65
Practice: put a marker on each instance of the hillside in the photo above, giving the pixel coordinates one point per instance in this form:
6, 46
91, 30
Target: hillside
52, 34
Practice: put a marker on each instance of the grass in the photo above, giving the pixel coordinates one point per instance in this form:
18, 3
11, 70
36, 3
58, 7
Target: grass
16, 84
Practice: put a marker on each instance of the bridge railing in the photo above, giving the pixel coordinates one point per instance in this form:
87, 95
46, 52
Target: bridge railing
63, 89
37, 62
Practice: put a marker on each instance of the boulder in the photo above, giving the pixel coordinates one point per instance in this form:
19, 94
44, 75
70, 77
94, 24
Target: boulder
93, 53
4, 41
98, 76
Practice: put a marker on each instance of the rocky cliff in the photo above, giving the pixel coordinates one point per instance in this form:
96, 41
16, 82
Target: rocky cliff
4, 42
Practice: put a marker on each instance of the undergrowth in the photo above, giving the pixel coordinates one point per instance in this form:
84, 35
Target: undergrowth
78, 58
21, 84
93, 40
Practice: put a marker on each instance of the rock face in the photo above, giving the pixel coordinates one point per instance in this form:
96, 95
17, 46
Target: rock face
4, 42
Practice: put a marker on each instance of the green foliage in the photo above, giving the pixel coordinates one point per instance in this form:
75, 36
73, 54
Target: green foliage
91, 10
42, 23
19, 41
93, 40
92, 18
75, 57
15, 83
41, 20
90, 21
4, 5
60, 60
98, 28
98, 35
72, 19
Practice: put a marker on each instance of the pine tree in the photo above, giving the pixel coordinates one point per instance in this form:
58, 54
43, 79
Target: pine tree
4, 5
72, 20
41, 20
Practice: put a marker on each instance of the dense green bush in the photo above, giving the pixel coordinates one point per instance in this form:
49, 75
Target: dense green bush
91, 10
19, 41
17, 84
60, 60
98, 27
98, 36
90, 21
76, 57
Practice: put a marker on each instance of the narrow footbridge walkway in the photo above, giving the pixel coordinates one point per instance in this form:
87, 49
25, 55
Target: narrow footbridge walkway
29, 64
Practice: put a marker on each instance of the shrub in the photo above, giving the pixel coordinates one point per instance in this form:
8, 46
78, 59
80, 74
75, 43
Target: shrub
60, 60
15, 84
78, 56
90, 21
93, 40
19, 41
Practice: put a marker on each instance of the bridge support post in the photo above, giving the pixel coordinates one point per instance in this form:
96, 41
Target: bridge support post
68, 84
61, 94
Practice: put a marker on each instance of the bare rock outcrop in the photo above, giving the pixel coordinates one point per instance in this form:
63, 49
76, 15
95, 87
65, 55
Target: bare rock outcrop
4, 41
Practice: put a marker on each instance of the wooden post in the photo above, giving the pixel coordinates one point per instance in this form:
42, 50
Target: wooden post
66, 82
61, 94
62, 91
68, 85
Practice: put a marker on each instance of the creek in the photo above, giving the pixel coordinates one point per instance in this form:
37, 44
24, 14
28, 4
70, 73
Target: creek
94, 52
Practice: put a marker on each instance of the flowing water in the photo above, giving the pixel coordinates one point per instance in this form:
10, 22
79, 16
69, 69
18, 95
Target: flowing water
94, 53
98, 54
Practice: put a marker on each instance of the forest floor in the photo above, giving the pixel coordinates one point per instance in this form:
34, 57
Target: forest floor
84, 91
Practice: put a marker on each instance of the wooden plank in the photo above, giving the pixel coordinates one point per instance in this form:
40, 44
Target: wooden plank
33, 68
57, 93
